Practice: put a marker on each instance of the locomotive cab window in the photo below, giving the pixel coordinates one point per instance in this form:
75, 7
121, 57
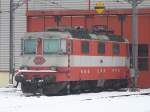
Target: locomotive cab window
116, 49
85, 47
101, 48
29, 46
54, 46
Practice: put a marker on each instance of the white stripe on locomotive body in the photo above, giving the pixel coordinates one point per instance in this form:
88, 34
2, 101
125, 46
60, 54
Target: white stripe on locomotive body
96, 61
51, 60
79, 61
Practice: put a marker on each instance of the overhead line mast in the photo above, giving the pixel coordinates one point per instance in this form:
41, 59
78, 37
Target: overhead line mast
11, 43
134, 42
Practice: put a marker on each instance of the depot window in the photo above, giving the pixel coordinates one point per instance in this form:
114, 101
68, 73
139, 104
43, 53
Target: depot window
143, 59
85, 47
143, 50
29, 46
143, 64
101, 48
116, 49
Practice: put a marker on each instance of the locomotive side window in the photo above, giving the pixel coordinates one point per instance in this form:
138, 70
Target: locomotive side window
54, 46
85, 47
29, 46
116, 49
101, 48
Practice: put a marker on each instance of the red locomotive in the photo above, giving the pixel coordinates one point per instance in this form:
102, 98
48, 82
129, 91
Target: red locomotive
71, 60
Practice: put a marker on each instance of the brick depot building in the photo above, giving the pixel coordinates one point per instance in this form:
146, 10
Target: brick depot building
41, 20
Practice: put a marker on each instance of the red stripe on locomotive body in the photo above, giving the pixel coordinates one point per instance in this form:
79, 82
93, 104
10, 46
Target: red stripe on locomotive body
84, 73
39, 49
94, 73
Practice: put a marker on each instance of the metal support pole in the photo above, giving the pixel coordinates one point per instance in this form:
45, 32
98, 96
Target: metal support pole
134, 69
71, 21
89, 4
11, 45
27, 6
85, 21
122, 19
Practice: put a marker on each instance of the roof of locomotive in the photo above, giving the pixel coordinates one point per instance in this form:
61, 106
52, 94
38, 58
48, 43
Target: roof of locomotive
98, 32
52, 34
79, 33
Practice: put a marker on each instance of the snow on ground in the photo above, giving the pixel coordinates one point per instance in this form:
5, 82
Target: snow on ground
13, 100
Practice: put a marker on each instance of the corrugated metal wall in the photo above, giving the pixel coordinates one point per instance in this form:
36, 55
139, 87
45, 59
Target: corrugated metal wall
20, 21
19, 30
4, 34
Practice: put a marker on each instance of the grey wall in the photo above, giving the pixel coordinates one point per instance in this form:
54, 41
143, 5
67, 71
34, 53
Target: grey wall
19, 30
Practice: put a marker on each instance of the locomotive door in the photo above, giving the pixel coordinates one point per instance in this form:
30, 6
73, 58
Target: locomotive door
84, 59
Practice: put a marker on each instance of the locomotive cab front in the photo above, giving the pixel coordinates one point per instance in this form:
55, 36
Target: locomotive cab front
43, 55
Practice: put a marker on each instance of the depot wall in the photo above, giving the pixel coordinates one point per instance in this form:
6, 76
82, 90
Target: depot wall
40, 23
4, 79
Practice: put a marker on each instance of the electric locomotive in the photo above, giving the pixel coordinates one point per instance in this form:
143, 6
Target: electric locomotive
71, 60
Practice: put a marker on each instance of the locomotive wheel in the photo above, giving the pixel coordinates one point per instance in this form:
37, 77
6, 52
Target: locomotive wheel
56, 88
26, 87
75, 87
120, 83
116, 84
124, 83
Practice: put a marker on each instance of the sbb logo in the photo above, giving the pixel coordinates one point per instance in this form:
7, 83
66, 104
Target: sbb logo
39, 60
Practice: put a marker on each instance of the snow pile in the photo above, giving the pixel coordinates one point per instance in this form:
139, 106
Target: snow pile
13, 100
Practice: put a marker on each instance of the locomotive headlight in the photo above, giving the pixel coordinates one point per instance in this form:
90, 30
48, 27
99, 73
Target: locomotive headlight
19, 78
53, 68
24, 68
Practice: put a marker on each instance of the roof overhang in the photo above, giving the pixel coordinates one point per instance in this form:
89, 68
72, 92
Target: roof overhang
84, 12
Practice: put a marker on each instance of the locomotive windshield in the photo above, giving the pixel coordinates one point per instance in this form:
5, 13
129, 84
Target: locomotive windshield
54, 46
29, 46
50, 46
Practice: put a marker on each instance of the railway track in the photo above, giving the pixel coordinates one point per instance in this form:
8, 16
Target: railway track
103, 94
122, 95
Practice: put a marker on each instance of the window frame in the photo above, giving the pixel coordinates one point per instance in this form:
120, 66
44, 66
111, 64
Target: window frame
140, 57
140, 54
114, 52
60, 50
83, 45
143, 64
24, 52
101, 49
